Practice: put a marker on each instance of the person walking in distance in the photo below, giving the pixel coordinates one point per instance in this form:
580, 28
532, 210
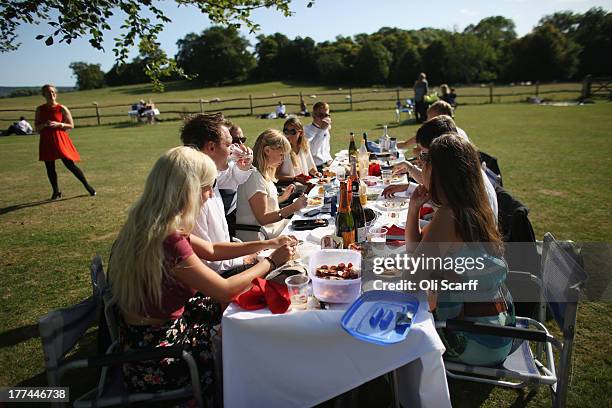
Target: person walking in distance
52, 121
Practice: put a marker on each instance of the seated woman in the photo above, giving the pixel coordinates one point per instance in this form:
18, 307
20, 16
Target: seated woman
298, 163
463, 227
164, 293
258, 199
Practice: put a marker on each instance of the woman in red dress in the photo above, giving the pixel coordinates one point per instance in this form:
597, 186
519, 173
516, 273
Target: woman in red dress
52, 121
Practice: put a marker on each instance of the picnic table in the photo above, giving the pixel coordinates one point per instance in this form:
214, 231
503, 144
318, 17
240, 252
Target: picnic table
303, 358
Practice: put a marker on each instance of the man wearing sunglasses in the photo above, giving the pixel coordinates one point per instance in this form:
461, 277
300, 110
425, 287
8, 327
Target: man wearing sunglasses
318, 135
210, 134
426, 134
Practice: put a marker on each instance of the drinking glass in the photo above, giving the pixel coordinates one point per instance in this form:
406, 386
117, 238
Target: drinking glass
387, 176
377, 234
297, 286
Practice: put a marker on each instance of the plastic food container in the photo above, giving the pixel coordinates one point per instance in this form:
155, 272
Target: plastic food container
335, 291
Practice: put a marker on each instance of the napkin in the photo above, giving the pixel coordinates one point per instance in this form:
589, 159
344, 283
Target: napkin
265, 293
374, 169
395, 233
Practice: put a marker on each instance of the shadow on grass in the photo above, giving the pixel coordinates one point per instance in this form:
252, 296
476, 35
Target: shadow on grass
16, 207
395, 125
472, 394
18, 335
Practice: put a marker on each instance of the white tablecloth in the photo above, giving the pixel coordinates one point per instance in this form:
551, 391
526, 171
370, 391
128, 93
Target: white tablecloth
301, 359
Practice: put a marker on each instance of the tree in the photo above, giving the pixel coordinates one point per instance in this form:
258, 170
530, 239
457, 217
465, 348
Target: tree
89, 76
267, 51
336, 60
373, 63
496, 31
69, 20
216, 56
545, 54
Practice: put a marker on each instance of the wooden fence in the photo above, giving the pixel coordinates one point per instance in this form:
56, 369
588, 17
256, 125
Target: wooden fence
340, 100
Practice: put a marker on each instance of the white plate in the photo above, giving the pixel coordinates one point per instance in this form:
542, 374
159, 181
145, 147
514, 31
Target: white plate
393, 204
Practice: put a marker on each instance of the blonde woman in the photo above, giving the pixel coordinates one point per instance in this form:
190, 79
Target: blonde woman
298, 163
257, 197
155, 272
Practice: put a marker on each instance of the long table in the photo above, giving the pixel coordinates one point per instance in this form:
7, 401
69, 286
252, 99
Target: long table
303, 358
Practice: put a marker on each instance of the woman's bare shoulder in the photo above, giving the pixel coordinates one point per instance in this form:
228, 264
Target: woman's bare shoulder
442, 227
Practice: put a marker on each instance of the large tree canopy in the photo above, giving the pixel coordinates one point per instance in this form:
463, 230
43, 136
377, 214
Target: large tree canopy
69, 20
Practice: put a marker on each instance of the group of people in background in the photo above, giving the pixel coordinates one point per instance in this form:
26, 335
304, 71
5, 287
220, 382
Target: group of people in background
174, 264
422, 99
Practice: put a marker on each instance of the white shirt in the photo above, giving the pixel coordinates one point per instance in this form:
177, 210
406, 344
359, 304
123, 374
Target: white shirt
280, 110
462, 134
305, 162
211, 224
491, 195
319, 143
245, 215
24, 126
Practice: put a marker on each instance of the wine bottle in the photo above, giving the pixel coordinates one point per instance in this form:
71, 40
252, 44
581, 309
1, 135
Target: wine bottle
356, 208
345, 225
365, 140
352, 150
364, 157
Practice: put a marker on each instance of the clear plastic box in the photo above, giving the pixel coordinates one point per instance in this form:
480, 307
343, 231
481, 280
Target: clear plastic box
335, 291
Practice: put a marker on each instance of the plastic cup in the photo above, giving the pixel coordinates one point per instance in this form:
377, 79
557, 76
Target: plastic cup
377, 234
297, 286
387, 176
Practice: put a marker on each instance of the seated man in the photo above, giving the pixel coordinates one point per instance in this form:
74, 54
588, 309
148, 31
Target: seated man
426, 134
210, 134
19, 128
436, 109
318, 135
281, 111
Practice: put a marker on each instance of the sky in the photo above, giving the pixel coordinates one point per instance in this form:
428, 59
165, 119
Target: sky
34, 63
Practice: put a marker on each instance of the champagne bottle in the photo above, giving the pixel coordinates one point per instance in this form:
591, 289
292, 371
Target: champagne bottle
345, 225
356, 208
352, 150
365, 141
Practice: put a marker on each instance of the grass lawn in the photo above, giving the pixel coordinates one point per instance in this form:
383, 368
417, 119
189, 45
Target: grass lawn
557, 160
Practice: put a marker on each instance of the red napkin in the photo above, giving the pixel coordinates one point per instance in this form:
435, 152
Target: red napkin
395, 233
305, 176
374, 169
265, 293
424, 211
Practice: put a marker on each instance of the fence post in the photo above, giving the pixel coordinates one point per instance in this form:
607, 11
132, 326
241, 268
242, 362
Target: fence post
397, 93
201, 105
537, 89
97, 112
351, 97
251, 103
491, 92
586, 87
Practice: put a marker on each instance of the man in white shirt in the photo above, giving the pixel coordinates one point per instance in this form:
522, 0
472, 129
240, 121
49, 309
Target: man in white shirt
19, 128
426, 134
318, 135
281, 111
210, 134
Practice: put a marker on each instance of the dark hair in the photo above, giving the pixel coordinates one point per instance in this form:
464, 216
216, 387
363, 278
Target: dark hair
22, 118
202, 128
434, 128
456, 178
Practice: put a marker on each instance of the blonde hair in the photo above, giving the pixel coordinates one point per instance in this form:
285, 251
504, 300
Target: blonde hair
302, 140
274, 139
170, 202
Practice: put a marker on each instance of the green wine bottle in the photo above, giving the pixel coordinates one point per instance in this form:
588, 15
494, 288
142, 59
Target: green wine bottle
345, 225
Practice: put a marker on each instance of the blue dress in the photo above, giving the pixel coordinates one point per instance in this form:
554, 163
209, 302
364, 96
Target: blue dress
470, 348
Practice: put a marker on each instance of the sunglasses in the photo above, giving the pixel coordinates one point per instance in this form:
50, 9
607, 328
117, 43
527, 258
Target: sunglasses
290, 132
239, 140
323, 115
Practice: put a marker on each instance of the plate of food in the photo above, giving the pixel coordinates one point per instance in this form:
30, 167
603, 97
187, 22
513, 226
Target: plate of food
371, 180
315, 201
393, 204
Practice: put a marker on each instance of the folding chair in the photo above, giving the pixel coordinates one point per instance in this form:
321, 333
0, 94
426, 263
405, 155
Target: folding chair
562, 279
61, 329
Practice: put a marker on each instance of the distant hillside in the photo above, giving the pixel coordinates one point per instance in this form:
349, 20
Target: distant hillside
7, 90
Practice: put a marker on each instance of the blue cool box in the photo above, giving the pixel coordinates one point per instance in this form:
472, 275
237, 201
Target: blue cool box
380, 316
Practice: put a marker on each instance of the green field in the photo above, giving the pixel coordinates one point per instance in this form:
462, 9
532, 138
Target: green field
557, 160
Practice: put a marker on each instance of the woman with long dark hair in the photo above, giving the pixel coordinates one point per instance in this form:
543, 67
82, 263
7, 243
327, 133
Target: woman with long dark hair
52, 121
463, 227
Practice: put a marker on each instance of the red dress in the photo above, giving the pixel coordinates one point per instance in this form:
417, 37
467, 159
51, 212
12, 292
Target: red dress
55, 143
